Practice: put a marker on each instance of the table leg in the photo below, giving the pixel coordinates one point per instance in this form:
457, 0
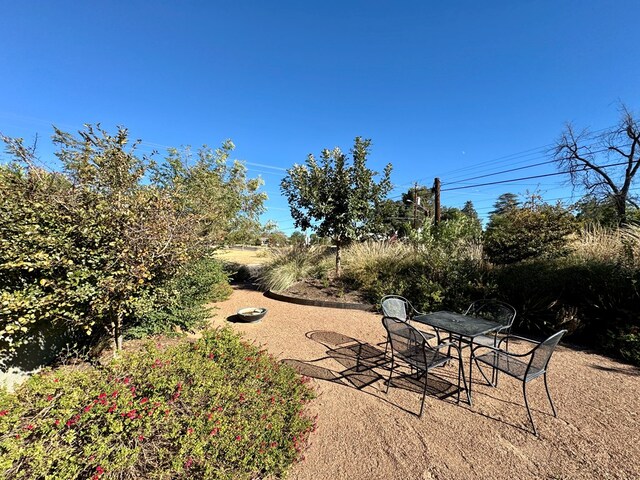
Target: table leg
470, 370
468, 389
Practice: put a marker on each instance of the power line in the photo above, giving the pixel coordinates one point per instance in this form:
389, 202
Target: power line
530, 177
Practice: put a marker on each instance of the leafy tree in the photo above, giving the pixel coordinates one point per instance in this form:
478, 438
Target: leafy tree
334, 198
410, 213
80, 247
536, 229
602, 211
297, 238
470, 211
227, 203
505, 202
606, 164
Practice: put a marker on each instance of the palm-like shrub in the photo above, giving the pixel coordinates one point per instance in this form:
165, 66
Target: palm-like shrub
289, 265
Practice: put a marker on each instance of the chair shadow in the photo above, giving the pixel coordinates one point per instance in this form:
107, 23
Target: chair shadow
630, 370
362, 365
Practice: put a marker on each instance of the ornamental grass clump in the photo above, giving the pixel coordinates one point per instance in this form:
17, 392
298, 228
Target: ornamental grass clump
217, 408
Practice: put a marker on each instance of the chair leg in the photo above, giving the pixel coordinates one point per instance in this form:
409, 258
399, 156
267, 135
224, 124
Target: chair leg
546, 386
424, 392
390, 373
491, 384
526, 404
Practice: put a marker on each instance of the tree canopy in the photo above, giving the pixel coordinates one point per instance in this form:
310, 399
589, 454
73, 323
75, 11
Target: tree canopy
81, 246
335, 198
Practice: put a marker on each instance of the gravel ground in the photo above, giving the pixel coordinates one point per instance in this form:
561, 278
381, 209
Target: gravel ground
364, 433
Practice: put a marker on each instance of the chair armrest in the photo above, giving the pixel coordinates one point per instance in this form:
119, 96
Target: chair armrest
517, 337
446, 344
499, 350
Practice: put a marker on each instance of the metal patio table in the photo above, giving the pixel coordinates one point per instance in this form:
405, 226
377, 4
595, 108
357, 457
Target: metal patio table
459, 325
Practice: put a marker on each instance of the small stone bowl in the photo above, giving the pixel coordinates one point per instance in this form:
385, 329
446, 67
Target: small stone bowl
251, 314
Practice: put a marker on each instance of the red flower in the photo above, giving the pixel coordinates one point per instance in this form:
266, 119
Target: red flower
112, 408
87, 408
189, 431
214, 431
55, 380
114, 394
144, 400
102, 396
3, 412
140, 437
188, 463
126, 380
49, 398
238, 438
29, 427
57, 422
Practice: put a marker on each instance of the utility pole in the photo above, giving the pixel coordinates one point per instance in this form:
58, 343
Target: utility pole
415, 203
436, 196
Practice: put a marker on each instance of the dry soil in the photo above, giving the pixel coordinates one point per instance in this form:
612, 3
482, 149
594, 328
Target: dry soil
365, 433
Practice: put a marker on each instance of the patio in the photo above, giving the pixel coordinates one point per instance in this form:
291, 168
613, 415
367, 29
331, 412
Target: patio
364, 433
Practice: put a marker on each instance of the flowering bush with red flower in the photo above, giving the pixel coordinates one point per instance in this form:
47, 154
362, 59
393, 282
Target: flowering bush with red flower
218, 408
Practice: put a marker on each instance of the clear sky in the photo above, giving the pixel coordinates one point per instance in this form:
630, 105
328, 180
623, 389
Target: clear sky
451, 89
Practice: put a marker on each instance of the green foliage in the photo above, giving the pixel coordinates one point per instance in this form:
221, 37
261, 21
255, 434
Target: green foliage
534, 230
456, 230
179, 303
215, 409
433, 278
335, 199
83, 248
596, 300
297, 238
226, 202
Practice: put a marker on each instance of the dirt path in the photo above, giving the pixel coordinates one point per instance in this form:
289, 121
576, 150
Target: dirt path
364, 433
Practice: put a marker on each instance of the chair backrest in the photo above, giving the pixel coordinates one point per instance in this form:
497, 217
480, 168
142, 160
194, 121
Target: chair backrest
396, 306
406, 341
542, 353
495, 310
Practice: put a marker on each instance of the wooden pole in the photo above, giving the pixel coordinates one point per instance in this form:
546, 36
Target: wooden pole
436, 193
415, 203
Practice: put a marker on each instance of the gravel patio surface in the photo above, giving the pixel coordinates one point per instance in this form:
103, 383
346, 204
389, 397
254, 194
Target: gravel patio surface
364, 433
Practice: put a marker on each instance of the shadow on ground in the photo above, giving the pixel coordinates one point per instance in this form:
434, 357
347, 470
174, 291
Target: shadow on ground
358, 364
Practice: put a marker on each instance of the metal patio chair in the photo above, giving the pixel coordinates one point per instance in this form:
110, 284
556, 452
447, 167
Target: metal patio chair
399, 307
495, 310
409, 345
516, 365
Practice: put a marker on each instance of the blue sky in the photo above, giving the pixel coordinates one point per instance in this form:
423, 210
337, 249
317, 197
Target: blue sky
450, 89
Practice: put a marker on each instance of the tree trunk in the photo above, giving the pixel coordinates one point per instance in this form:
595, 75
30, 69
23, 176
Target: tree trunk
116, 326
620, 201
338, 259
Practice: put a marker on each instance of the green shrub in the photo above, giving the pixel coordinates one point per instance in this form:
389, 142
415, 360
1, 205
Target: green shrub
596, 300
180, 302
432, 278
536, 230
218, 408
